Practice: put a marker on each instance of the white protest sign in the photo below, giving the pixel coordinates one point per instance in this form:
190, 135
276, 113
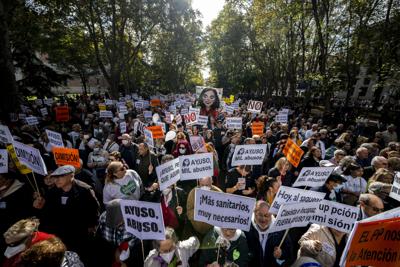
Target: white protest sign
229, 109
202, 120
168, 117
106, 114
3, 161
293, 215
168, 173
235, 104
288, 195
249, 154
31, 120
108, 102
146, 103
148, 137
196, 166
123, 109
143, 219
284, 111
254, 106
191, 109
178, 119
336, 215
234, 123
44, 112
184, 111
48, 101
223, 210
313, 176
395, 191
30, 157
55, 139
148, 115
139, 105
122, 127
190, 118
5, 134
197, 142
172, 109
138, 127
281, 118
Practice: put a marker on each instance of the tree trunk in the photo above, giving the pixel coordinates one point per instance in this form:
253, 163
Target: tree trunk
9, 99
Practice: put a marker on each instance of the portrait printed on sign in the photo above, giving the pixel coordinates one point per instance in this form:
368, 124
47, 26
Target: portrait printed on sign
209, 102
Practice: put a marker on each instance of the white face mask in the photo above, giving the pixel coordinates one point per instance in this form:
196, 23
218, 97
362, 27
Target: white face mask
182, 150
166, 191
125, 142
168, 256
12, 251
205, 187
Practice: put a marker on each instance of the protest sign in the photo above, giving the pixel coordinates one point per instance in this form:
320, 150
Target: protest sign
3, 161
288, 195
139, 105
190, 118
196, 166
254, 106
163, 126
374, 243
148, 115
31, 120
293, 215
313, 176
249, 154
336, 215
48, 101
168, 117
66, 156
106, 114
223, 210
122, 109
39, 102
143, 219
200, 89
146, 103
55, 139
138, 127
30, 157
178, 119
168, 173
229, 109
202, 120
395, 191
156, 131
108, 102
155, 102
292, 152
284, 111
172, 109
122, 127
44, 112
257, 128
102, 107
148, 137
234, 123
62, 113
197, 143
5, 134
21, 168
281, 118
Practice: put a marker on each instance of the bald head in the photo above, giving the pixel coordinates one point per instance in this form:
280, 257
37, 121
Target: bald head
205, 181
371, 204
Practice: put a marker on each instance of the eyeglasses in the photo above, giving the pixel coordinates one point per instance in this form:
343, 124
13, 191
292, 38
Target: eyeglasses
375, 209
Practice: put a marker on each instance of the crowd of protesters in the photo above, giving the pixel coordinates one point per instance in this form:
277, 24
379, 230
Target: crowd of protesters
74, 219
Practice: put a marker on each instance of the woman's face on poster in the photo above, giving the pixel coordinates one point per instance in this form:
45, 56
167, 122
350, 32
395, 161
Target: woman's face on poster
208, 98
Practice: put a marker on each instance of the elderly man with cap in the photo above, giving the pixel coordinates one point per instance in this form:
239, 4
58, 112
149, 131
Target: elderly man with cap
70, 210
128, 150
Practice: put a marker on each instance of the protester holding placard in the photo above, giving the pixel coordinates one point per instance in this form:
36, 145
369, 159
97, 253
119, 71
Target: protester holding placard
171, 251
121, 183
264, 247
224, 246
200, 228
324, 244
209, 102
238, 181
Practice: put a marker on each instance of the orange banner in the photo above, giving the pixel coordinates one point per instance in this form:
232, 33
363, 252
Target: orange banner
66, 156
62, 113
375, 243
293, 152
257, 128
155, 102
157, 131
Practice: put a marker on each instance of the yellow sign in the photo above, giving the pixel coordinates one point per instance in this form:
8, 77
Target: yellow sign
21, 168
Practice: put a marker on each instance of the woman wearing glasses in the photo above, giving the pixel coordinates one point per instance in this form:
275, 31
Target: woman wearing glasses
121, 183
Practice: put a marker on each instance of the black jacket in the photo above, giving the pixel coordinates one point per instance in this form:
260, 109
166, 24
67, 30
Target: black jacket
273, 240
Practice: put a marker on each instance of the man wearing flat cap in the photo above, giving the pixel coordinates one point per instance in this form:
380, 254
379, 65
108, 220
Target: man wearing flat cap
70, 211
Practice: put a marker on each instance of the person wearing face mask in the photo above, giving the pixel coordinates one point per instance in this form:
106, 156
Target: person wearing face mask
333, 182
200, 228
110, 145
182, 148
224, 246
171, 252
128, 150
98, 160
19, 237
263, 246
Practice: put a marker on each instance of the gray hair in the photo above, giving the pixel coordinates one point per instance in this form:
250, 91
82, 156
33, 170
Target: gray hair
169, 234
377, 159
339, 151
167, 158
